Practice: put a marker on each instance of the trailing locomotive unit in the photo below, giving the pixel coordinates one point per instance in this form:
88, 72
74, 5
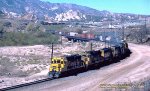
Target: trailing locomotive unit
107, 55
124, 49
92, 59
116, 51
73, 64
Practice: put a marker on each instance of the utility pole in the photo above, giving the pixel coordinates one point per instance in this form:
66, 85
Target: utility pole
145, 26
111, 29
122, 22
1, 31
61, 39
105, 38
91, 46
52, 52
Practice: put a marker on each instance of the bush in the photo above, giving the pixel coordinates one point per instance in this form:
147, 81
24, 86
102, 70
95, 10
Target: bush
29, 38
7, 24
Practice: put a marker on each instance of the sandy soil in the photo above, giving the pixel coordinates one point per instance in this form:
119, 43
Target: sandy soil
132, 69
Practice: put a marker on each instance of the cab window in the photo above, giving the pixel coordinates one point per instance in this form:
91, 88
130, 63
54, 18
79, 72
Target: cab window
54, 61
58, 61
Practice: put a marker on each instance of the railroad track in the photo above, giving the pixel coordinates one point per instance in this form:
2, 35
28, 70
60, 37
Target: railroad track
26, 84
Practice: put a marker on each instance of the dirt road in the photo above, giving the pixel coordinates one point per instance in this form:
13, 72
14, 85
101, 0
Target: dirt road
131, 69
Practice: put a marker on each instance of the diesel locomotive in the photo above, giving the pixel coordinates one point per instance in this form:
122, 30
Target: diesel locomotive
73, 64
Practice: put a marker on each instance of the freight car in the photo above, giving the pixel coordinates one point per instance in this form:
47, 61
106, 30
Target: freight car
73, 64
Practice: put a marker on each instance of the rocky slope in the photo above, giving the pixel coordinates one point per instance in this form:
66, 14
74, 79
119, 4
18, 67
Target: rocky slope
39, 10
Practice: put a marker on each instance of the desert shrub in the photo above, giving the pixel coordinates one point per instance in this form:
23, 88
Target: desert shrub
6, 66
29, 38
31, 61
7, 24
21, 74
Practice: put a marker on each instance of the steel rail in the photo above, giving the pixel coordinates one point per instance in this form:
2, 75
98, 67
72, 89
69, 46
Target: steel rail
26, 84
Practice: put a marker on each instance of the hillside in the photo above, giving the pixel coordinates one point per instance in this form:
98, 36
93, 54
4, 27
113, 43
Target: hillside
39, 10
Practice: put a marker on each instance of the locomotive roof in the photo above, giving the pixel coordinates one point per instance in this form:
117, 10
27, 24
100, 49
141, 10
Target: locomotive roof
116, 46
106, 49
93, 52
74, 55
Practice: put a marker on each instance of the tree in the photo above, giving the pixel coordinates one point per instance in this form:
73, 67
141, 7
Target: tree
32, 27
1, 32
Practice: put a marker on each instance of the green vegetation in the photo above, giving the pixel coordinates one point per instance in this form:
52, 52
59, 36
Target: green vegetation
27, 38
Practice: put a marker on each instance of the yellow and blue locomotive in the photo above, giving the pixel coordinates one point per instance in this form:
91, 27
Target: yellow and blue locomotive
66, 65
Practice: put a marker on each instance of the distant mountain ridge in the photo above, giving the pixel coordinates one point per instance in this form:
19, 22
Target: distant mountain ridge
52, 12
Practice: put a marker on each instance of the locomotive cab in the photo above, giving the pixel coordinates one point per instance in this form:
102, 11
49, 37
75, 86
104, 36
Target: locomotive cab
86, 59
56, 66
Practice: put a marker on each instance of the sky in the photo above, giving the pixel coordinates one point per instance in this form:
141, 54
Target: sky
115, 6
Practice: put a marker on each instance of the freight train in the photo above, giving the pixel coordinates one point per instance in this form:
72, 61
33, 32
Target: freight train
74, 64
